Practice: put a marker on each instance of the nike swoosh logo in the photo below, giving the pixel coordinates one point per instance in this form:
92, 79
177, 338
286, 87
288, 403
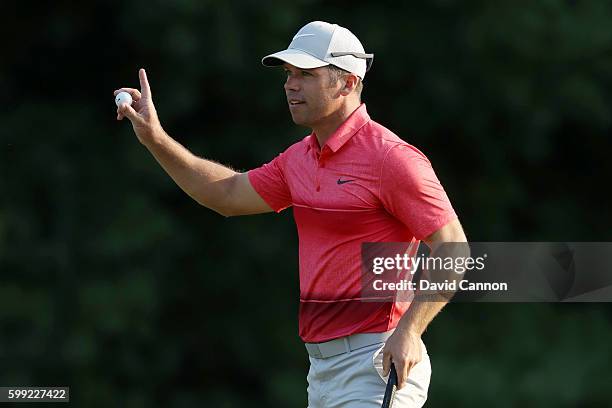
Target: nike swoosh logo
343, 181
302, 35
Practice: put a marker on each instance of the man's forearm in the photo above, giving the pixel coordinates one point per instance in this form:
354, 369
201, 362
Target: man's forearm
419, 314
427, 304
205, 181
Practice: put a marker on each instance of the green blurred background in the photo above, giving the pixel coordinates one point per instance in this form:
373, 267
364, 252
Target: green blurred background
115, 283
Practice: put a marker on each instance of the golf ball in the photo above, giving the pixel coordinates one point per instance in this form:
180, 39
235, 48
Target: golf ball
123, 97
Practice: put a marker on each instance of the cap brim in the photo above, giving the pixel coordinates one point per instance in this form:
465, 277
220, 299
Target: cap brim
294, 57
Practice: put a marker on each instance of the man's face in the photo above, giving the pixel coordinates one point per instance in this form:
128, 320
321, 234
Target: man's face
311, 95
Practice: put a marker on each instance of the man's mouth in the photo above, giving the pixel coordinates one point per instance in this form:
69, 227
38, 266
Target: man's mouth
293, 102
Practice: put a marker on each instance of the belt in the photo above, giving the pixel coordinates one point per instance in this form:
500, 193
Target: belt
345, 344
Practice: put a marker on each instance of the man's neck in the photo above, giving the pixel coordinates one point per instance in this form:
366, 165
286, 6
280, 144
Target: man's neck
331, 123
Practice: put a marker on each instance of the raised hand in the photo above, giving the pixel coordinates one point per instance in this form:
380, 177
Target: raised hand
142, 113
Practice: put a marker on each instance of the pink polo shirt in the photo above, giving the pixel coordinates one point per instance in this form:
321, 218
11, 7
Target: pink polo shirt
365, 185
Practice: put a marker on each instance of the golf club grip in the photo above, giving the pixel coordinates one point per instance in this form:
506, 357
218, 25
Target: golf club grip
391, 388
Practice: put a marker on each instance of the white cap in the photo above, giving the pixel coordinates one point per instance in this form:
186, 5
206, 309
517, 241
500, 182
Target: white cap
318, 44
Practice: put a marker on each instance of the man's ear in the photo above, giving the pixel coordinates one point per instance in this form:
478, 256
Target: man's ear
350, 83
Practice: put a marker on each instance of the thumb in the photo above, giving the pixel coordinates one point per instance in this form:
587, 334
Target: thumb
386, 363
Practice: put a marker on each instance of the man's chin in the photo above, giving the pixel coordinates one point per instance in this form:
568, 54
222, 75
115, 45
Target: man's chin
298, 120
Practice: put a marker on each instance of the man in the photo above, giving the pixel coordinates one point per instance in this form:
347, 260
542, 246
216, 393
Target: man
350, 181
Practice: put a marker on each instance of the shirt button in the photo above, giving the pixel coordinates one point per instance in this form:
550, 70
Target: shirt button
318, 188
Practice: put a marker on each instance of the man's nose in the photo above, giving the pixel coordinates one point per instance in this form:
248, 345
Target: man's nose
292, 84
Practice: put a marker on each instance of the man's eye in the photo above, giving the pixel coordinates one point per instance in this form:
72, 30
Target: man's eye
306, 73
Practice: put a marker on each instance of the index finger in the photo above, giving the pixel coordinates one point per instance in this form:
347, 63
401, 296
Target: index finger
144, 83
402, 374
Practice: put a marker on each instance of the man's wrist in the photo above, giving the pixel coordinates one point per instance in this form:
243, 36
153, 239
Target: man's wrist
408, 329
154, 136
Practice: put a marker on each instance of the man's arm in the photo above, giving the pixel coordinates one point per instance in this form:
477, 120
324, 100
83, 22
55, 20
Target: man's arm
209, 183
404, 346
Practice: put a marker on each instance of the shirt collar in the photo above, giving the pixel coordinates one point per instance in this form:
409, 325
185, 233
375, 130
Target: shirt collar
345, 131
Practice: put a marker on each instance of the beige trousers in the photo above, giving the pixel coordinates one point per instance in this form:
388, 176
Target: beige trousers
354, 380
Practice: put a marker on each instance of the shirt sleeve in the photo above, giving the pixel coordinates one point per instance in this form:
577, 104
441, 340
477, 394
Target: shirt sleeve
411, 192
270, 183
